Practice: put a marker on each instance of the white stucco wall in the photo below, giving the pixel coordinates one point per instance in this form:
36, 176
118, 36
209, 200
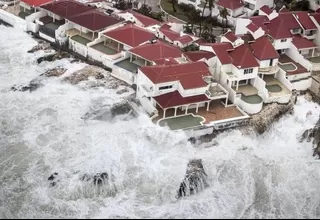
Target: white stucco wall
266, 63
278, 45
241, 24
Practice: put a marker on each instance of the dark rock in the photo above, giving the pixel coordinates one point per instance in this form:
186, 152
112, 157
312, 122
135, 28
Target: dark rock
75, 61
98, 179
120, 109
53, 176
314, 134
99, 76
195, 179
53, 184
42, 45
52, 57
58, 71
31, 87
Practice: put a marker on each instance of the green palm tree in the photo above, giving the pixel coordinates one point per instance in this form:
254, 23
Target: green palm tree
224, 14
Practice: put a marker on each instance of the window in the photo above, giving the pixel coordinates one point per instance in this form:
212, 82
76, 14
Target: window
283, 40
248, 71
165, 87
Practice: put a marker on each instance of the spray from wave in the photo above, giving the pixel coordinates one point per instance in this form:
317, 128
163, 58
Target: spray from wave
44, 131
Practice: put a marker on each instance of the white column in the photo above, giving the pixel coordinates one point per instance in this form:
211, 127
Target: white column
237, 85
262, 76
175, 111
92, 36
164, 112
105, 40
208, 106
130, 57
197, 110
313, 51
226, 102
186, 109
118, 46
145, 62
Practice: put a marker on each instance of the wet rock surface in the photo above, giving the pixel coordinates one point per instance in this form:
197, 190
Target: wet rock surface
55, 72
42, 45
31, 87
271, 113
313, 134
97, 179
85, 73
195, 179
56, 56
53, 179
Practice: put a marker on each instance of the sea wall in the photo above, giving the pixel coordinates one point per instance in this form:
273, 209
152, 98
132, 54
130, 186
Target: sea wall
13, 20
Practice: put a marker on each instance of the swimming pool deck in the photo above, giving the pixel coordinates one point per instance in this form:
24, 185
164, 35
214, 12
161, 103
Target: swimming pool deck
246, 90
216, 112
285, 59
270, 80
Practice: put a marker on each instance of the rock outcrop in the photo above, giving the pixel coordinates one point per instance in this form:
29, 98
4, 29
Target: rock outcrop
55, 72
98, 179
270, 113
56, 56
195, 179
53, 179
85, 73
31, 87
313, 134
42, 45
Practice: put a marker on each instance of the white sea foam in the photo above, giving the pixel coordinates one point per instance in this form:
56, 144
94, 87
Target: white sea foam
42, 132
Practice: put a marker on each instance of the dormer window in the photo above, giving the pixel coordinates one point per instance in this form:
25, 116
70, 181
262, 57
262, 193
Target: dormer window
284, 40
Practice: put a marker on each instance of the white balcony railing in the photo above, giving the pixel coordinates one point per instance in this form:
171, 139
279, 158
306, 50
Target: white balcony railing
269, 70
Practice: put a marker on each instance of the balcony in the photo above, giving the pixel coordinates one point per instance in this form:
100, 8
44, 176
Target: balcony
269, 70
310, 36
216, 91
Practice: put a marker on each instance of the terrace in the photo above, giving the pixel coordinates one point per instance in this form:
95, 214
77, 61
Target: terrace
289, 66
249, 94
88, 36
216, 91
216, 112
128, 65
275, 87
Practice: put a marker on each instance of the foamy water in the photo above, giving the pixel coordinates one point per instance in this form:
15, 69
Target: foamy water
250, 176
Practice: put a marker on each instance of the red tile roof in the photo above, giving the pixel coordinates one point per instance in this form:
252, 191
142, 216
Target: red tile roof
166, 61
172, 35
252, 27
198, 55
221, 50
317, 18
305, 20
146, 21
66, 8
174, 99
303, 43
266, 9
230, 4
185, 39
156, 51
243, 58
230, 36
130, 35
36, 3
263, 49
284, 9
200, 41
190, 75
94, 20
280, 27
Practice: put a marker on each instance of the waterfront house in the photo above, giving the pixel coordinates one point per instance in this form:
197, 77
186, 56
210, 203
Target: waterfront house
185, 91
112, 49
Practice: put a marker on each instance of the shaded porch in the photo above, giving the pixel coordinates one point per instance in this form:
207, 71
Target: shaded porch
91, 36
211, 111
128, 65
